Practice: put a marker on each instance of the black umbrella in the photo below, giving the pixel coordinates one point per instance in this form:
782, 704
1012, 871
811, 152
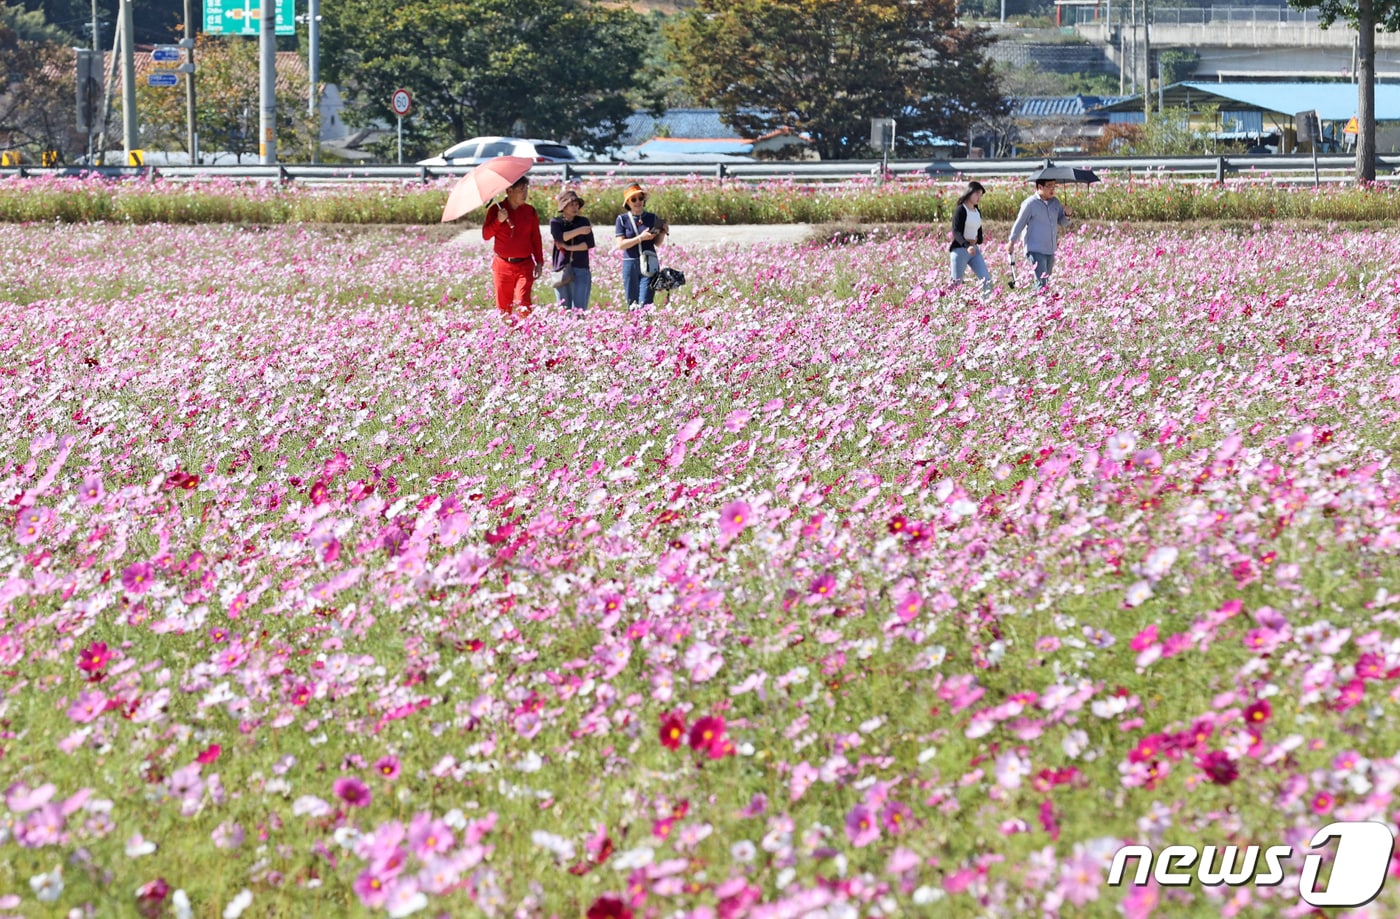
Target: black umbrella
1065, 174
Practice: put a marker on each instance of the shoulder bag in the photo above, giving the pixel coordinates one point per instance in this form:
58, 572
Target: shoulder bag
650, 261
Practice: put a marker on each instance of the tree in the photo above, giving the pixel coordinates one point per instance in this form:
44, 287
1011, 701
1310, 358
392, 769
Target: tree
31, 26
228, 103
1366, 16
38, 104
826, 67
556, 68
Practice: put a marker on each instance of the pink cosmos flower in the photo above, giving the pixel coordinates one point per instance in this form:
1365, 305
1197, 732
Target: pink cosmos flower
733, 517
372, 889
861, 826
822, 586
388, 767
43, 827
90, 491
88, 706
1144, 639
908, 608
30, 524
894, 816
20, 798
428, 837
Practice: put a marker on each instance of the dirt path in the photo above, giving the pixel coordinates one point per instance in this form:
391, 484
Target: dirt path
702, 237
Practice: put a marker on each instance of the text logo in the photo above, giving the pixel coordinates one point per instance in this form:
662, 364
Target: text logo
1358, 872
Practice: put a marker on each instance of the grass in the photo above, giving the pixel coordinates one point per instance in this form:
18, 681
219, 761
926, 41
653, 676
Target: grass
1241, 202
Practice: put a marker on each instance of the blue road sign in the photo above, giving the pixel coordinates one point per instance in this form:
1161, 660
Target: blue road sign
165, 55
162, 79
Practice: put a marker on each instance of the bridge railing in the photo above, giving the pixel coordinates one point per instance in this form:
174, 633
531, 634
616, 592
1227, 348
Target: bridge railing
1206, 15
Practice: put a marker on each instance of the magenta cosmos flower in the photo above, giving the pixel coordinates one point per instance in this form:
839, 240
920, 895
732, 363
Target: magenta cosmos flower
137, 577
352, 791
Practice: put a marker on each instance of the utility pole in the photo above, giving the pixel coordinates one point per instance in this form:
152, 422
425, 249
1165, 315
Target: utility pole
101, 149
267, 70
187, 42
130, 129
313, 28
1146, 61
1131, 60
96, 68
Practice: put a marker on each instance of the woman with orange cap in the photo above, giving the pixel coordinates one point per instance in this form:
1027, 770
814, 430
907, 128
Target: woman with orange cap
637, 233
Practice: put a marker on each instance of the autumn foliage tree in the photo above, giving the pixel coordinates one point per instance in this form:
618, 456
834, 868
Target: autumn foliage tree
228, 101
38, 110
826, 67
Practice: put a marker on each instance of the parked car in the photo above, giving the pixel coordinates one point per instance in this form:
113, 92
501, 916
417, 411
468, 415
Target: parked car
480, 149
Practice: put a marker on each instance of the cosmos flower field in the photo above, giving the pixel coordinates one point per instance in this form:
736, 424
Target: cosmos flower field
821, 590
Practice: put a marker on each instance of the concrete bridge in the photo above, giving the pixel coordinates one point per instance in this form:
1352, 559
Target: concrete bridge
1237, 43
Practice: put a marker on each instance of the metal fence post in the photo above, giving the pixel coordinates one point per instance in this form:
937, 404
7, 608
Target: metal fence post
568, 173
720, 171
1220, 170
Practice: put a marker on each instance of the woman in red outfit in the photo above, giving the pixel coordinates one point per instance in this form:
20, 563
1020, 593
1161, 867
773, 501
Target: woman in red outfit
515, 227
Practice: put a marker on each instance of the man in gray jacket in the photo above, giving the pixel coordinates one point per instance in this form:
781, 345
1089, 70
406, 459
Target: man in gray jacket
1040, 218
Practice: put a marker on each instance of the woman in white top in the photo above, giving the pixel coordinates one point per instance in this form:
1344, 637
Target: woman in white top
966, 250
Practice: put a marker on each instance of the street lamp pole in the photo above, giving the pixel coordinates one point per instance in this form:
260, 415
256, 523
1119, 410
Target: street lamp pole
187, 42
313, 28
267, 71
130, 129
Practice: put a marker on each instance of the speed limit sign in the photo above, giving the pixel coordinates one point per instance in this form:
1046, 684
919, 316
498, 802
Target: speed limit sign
402, 102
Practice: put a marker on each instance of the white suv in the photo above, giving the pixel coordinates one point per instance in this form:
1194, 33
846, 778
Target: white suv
480, 149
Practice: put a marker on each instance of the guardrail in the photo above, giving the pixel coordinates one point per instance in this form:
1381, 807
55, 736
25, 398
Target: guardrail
1217, 167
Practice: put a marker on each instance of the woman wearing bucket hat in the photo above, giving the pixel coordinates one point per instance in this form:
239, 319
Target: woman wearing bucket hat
637, 232
573, 237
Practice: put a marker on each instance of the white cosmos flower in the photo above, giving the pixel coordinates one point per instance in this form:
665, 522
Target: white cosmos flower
238, 904
1138, 594
1120, 446
49, 886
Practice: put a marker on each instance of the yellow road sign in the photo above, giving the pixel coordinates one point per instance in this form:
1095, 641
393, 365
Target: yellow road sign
136, 158
1351, 127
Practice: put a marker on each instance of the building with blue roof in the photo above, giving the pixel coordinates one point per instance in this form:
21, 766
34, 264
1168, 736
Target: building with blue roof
699, 135
1265, 111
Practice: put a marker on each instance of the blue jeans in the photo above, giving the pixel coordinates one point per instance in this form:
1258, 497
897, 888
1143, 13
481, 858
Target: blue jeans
1044, 264
635, 287
963, 259
575, 295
